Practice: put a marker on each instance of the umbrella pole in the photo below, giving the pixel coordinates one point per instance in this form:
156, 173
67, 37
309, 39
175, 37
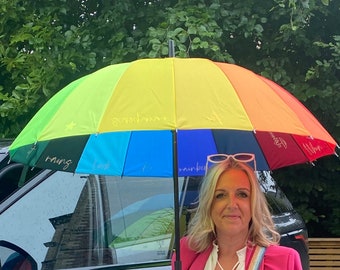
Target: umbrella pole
178, 263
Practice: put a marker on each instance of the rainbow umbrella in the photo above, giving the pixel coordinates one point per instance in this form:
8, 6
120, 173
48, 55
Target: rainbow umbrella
162, 117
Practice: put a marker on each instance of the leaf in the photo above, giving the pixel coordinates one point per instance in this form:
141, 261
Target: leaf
192, 30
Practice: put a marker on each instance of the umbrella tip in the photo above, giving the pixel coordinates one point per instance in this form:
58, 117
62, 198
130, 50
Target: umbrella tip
171, 48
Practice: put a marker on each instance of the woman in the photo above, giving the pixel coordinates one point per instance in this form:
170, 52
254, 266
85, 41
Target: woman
232, 228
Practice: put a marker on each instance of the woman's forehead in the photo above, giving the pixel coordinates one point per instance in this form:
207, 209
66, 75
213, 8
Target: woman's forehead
233, 178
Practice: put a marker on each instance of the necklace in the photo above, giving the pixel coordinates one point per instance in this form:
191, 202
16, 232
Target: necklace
220, 266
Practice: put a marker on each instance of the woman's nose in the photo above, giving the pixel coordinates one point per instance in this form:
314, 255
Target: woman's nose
232, 201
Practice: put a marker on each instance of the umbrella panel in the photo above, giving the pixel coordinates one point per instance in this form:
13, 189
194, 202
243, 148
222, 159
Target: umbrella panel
52, 155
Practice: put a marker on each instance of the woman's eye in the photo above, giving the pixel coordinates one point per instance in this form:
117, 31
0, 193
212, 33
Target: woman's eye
219, 195
243, 195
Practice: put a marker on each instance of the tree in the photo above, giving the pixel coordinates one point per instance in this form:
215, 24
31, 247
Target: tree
47, 44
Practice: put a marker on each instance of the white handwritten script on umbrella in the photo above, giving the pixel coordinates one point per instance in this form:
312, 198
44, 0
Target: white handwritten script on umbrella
311, 149
137, 119
278, 141
59, 161
197, 168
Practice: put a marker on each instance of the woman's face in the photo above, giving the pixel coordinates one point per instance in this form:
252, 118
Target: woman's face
230, 209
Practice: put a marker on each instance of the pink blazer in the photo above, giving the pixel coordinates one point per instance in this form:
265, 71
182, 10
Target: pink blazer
275, 258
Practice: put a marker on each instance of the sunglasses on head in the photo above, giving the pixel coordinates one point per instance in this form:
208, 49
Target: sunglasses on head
240, 157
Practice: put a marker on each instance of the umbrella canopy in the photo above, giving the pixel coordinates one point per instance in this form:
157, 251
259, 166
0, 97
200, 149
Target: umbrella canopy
118, 121
163, 117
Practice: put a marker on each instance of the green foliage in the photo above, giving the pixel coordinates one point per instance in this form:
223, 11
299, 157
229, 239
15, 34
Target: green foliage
46, 44
39, 52
194, 31
314, 191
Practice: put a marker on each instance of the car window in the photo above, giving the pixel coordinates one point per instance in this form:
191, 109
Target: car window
277, 200
12, 175
31, 227
72, 220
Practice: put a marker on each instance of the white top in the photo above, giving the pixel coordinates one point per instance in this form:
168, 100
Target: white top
212, 260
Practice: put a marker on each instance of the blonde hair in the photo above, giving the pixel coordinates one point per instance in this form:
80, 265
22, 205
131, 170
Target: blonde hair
201, 231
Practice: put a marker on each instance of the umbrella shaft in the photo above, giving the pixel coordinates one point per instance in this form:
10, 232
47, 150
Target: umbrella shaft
178, 265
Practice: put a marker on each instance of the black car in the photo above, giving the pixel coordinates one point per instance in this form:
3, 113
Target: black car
67, 221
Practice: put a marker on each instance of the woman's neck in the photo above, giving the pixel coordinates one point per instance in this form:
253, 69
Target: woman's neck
227, 251
230, 244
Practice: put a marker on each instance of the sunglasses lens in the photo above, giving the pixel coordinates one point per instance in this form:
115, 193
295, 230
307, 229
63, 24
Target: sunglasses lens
243, 157
217, 158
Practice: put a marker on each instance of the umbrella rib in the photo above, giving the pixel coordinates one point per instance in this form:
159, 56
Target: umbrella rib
125, 157
260, 149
